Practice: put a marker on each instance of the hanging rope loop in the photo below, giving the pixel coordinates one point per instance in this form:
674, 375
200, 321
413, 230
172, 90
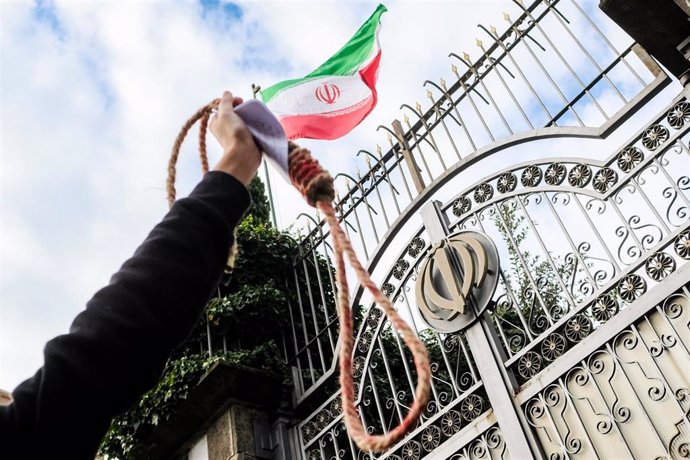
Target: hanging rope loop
316, 186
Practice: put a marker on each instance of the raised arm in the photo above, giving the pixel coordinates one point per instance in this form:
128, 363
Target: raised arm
117, 347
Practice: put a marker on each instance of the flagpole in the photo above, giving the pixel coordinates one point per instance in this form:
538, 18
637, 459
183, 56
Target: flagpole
255, 91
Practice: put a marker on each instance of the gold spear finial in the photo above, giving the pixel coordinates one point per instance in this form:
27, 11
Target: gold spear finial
418, 106
506, 16
443, 83
378, 149
429, 95
406, 119
479, 43
466, 57
493, 30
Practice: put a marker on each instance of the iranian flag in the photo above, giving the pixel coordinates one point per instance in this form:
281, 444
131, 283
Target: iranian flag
333, 99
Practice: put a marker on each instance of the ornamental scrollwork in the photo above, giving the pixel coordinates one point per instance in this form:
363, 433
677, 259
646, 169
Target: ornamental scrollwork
531, 176
555, 174
654, 136
629, 158
604, 180
580, 175
483, 193
659, 266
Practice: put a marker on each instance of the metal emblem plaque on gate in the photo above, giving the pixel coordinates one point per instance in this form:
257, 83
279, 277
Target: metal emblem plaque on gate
457, 281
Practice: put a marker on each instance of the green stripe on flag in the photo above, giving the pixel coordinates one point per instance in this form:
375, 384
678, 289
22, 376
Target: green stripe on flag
345, 62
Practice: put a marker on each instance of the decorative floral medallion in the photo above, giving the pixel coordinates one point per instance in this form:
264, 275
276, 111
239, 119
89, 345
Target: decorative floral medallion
631, 287
506, 182
471, 407
654, 136
577, 328
388, 289
400, 268
580, 175
659, 266
604, 308
678, 115
531, 176
555, 174
629, 158
358, 366
604, 179
553, 346
431, 438
483, 193
682, 244
529, 365
450, 422
416, 246
461, 206
411, 451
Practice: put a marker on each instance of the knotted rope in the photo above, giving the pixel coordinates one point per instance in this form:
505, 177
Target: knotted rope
316, 185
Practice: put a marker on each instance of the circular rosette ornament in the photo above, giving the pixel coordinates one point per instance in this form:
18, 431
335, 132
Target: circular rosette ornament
678, 115
682, 245
450, 423
529, 365
461, 206
416, 246
388, 289
604, 308
580, 175
411, 451
531, 176
654, 136
400, 268
604, 179
471, 407
506, 182
659, 266
631, 287
358, 366
628, 158
553, 347
577, 328
431, 438
483, 193
555, 174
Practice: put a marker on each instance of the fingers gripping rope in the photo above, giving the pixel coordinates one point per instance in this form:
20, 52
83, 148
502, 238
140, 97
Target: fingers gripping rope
316, 185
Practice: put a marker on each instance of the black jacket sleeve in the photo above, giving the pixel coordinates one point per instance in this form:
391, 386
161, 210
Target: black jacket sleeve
118, 345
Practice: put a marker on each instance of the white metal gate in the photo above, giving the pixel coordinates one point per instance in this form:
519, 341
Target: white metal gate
584, 351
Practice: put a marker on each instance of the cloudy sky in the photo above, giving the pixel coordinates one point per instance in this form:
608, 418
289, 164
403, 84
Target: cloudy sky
93, 93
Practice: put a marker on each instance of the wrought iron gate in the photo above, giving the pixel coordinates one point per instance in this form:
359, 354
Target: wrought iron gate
584, 351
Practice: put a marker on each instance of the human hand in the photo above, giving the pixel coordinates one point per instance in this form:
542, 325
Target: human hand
241, 157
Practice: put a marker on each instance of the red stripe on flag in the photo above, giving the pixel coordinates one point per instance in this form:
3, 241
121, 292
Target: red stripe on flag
327, 126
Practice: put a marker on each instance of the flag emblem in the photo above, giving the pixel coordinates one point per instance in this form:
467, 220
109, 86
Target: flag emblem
327, 93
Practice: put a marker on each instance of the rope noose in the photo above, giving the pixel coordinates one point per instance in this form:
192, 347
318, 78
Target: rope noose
316, 185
